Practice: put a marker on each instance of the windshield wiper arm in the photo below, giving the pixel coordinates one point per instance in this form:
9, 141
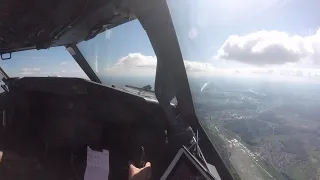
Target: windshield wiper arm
82, 62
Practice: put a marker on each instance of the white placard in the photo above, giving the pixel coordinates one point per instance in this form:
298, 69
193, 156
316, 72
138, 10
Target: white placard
97, 165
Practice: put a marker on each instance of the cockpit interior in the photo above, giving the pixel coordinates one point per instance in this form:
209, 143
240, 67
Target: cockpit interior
49, 122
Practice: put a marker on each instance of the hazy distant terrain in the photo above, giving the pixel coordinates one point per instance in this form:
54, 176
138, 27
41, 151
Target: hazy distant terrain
266, 129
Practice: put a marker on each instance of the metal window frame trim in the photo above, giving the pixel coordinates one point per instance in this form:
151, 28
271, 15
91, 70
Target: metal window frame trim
82, 62
171, 77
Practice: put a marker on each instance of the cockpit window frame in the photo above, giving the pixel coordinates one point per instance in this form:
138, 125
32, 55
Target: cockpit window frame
82, 62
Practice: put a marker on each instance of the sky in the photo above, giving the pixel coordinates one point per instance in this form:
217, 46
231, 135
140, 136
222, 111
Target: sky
215, 36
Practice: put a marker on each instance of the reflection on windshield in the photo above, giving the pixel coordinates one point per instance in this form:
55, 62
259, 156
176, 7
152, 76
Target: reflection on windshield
122, 55
55, 61
254, 71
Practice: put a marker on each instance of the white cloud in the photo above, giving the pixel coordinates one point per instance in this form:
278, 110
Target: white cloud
64, 63
25, 73
72, 71
135, 60
138, 64
31, 57
271, 48
192, 66
30, 70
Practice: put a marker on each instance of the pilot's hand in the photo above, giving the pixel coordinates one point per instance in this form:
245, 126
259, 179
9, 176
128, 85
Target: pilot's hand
140, 173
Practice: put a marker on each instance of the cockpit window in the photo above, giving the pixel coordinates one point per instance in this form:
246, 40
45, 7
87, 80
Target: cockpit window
122, 56
55, 61
253, 68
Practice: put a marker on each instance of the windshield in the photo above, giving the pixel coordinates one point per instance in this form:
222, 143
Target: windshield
122, 56
55, 61
253, 67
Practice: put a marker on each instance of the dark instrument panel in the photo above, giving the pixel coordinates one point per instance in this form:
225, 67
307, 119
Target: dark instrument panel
94, 94
73, 113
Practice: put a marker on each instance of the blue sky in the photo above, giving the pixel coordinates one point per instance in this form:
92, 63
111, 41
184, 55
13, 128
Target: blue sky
216, 20
212, 34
